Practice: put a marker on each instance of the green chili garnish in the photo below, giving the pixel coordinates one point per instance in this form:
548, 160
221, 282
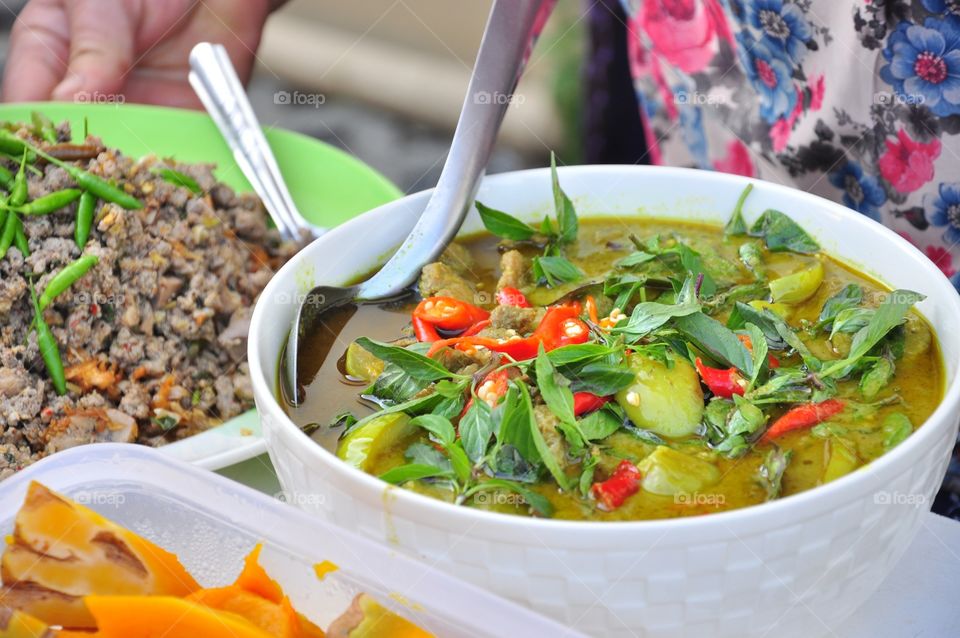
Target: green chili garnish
8, 234
49, 349
18, 194
50, 203
43, 127
66, 277
20, 239
85, 211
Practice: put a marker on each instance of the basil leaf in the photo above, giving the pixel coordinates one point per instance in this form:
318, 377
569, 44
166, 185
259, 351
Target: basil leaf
600, 378
177, 179
847, 297
888, 315
546, 456
781, 233
736, 224
713, 338
636, 258
763, 319
770, 473
537, 502
554, 269
758, 353
503, 225
586, 475
793, 340
851, 320
752, 258
508, 463
896, 428
578, 353
743, 425
460, 462
515, 425
876, 378
567, 223
599, 424
393, 386
440, 427
416, 405
422, 454
412, 472
650, 315
693, 264
415, 364
476, 427
555, 393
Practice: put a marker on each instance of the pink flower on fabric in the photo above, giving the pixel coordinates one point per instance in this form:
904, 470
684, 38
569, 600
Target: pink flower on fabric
781, 129
645, 65
942, 259
817, 89
737, 161
683, 32
908, 164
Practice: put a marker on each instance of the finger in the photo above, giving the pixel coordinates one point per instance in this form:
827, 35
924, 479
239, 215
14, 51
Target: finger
101, 46
39, 49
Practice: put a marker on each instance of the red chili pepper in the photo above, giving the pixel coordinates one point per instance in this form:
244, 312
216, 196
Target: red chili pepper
624, 482
723, 383
804, 416
493, 387
423, 330
559, 327
448, 313
590, 304
475, 328
584, 402
508, 296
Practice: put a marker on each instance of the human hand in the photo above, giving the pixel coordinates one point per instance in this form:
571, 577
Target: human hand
124, 50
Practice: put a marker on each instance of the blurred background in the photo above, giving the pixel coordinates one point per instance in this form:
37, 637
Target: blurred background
385, 79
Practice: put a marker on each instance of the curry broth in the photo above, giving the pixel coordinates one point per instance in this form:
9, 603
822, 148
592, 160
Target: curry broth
602, 242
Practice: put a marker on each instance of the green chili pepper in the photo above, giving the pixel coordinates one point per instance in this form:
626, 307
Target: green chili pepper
86, 180
65, 278
9, 232
178, 179
18, 194
84, 219
43, 127
6, 178
49, 349
13, 145
20, 239
50, 203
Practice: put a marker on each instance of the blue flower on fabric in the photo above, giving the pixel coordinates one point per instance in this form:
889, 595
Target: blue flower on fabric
945, 7
924, 63
943, 209
770, 75
861, 192
694, 136
783, 25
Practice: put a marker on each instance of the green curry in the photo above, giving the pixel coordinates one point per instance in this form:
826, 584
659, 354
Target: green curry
624, 369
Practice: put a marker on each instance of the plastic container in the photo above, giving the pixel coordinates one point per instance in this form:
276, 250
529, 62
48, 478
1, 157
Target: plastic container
211, 523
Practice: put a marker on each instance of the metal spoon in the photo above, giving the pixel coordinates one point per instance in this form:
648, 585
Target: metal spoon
215, 82
507, 41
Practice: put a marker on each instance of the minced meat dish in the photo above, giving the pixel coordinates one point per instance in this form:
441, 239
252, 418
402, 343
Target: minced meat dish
152, 337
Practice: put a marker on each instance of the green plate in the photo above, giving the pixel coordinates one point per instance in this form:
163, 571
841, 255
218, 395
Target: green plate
328, 186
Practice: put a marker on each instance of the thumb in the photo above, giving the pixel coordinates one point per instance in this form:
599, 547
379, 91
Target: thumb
101, 47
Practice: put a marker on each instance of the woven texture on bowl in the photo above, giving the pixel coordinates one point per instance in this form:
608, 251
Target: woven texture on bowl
798, 577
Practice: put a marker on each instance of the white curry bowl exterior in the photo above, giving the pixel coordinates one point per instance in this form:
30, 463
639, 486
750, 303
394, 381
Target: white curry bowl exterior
793, 567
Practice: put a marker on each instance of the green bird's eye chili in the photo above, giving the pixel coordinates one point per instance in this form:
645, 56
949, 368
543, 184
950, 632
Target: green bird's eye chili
20, 239
49, 349
8, 234
66, 277
50, 203
43, 127
85, 211
18, 194
6, 178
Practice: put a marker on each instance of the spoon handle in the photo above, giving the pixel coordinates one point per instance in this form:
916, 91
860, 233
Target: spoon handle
507, 41
215, 82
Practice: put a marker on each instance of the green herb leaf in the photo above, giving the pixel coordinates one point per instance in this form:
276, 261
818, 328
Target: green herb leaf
440, 427
537, 502
555, 269
599, 424
758, 354
554, 389
476, 428
763, 319
770, 473
504, 225
896, 427
847, 297
636, 258
713, 338
876, 378
650, 315
743, 425
851, 320
601, 379
736, 224
890, 314
393, 386
515, 424
412, 472
413, 363
578, 353
781, 233
546, 455
752, 259
567, 223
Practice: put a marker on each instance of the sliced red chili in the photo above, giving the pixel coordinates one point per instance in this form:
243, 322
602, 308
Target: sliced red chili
623, 483
448, 313
424, 331
590, 305
493, 388
584, 402
804, 416
475, 328
723, 383
508, 296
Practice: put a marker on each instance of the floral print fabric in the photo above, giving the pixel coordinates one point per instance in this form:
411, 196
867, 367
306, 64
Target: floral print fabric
857, 101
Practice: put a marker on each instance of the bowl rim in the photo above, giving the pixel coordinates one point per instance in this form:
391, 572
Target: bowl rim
808, 503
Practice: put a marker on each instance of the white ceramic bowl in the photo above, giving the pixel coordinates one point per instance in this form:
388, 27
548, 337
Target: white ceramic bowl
793, 567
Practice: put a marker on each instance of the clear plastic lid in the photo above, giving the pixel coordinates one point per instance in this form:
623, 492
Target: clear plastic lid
211, 523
